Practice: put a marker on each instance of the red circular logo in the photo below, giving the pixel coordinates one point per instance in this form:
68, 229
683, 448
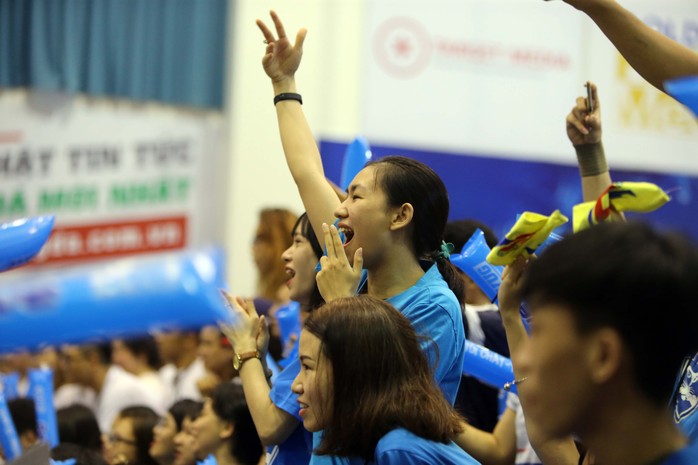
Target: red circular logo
402, 47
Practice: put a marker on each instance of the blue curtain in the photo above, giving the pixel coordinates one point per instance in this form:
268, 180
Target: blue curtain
166, 50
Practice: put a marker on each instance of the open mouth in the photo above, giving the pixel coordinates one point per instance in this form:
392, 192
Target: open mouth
346, 234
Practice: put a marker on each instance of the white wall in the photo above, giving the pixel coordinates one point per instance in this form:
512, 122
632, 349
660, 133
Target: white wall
328, 80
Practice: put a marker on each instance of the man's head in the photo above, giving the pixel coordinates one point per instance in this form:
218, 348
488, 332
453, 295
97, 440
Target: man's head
613, 307
80, 363
216, 352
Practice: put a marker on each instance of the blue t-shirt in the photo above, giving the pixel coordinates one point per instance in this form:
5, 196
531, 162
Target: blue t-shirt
686, 456
686, 401
402, 447
434, 311
296, 448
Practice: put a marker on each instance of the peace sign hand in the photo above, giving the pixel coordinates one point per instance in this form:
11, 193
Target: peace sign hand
338, 278
281, 60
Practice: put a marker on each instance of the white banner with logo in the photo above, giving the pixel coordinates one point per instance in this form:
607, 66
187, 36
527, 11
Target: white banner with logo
498, 77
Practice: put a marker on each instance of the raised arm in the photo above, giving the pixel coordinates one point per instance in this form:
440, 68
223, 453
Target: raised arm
280, 62
550, 451
584, 131
654, 56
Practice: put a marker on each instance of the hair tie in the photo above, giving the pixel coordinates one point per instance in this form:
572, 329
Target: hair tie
444, 250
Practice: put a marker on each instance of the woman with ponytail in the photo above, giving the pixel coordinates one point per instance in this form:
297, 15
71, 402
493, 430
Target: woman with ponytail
393, 220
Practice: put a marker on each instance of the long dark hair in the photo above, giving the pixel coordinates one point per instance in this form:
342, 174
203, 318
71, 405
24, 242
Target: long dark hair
381, 378
408, 181
306, 229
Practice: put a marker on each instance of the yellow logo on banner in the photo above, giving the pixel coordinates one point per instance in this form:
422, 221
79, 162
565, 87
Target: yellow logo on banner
641, 106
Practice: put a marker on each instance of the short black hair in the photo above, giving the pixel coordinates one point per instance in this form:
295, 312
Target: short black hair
77, 424
458, 232
628, 276
185, 408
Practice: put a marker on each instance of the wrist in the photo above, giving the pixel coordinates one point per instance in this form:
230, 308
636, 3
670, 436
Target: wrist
284, 85
591, 159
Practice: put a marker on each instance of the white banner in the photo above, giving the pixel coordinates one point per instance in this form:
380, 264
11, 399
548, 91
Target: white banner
121, 177
498, 77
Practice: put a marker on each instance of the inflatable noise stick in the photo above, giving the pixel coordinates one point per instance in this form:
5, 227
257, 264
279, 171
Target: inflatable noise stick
488, 366
117, 299
22, 239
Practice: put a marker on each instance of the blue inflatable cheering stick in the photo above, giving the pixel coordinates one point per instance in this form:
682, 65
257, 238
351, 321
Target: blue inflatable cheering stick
358, 153
21, 240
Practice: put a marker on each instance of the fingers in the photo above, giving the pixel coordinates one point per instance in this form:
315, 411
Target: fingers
333, 243
358, 260
573, 121
268, 36
300, 38
239, 305
595, 96
280, 31
263, 325
324, 264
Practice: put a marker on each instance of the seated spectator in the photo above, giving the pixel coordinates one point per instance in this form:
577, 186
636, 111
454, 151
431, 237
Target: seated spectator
366, 382
139, 356
130, 437
116, 389
162, 449
183, 367
225, 428
185, 454
217, 355
593, 298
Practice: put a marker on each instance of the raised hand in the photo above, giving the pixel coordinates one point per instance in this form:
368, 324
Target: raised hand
281, 60
509, 293
338, 278
584, 127
248, 331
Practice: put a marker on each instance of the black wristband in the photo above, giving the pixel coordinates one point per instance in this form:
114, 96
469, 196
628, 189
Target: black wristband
288, 96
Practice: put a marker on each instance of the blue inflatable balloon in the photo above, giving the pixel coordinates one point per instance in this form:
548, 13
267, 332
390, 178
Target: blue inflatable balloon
115, 299
9, 440
355, 158
487, 366
685, 90
41, 390
473, 261
22, 239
